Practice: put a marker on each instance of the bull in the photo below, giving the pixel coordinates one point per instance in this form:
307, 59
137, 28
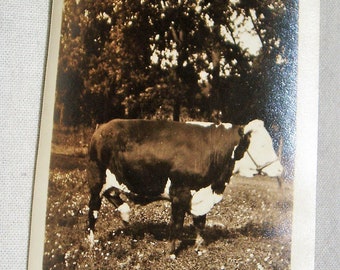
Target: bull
188, 165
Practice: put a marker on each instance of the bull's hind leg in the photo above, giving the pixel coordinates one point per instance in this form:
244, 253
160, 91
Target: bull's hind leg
95, 182
94, 205
112, 195
102, 183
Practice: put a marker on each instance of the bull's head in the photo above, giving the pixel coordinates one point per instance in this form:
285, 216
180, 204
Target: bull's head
243, 144
260, 157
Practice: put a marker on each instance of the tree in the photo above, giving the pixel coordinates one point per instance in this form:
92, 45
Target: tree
276, 67
71, 66
180, 59
176, 60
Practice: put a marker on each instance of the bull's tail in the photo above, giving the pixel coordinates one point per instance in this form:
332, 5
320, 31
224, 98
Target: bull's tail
144, 199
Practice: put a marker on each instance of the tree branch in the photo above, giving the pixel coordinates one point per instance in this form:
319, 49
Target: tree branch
255, 27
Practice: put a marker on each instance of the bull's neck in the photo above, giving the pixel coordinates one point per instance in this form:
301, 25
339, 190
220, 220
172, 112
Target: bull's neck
226, 138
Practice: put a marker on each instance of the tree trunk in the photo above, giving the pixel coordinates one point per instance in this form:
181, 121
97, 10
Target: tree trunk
177, 110
215, 97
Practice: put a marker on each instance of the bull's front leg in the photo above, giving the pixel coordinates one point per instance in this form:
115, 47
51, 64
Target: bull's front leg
180, 198
176, 228
199, 224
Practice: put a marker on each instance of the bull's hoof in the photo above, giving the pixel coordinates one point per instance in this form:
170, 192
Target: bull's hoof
173, 250
200, 251
199, 245
172, 256
199, 241
90, 239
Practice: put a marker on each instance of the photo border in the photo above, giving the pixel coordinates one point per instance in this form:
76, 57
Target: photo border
39, 200
303, 232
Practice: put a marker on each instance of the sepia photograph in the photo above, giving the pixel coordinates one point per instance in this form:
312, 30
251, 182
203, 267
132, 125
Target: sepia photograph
169, 138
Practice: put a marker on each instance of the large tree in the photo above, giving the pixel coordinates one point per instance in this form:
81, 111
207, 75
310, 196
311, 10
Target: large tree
147, 58
179, 59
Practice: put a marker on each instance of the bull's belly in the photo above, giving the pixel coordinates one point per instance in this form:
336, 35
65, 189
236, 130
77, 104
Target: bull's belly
137, 184
150, 178
202, 200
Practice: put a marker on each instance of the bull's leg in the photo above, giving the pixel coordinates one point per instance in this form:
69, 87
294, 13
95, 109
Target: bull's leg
95, 181
94, 205
199, 223
99, 187
177, 220
180, 198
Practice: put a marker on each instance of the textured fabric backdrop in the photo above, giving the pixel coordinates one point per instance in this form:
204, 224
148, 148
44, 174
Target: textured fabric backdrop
23, 42
24, 29
328, 184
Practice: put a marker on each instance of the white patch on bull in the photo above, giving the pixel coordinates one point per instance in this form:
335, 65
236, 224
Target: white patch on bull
111, 181
227, 125
91, 238
203, 200
208, 124
124, 210
95, 214
166, 192
262, 153
199, 123
233, 154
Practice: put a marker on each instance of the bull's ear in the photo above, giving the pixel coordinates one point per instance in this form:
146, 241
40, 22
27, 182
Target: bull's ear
241, 131
243, 144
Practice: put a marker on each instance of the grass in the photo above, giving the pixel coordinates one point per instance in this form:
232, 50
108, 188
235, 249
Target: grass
249, 229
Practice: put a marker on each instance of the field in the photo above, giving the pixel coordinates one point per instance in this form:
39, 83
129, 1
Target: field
249, 229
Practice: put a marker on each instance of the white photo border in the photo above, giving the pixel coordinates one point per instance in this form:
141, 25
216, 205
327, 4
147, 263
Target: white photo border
303, 233
39, 200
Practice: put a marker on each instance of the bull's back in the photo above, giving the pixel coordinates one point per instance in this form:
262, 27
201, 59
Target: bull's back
142, 147
142, 137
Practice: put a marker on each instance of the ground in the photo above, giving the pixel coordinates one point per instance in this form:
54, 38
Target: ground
249, 229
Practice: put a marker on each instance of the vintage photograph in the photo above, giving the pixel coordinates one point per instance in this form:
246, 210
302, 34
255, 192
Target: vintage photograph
173, 135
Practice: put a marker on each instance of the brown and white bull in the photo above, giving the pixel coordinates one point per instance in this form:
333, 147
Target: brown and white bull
187, 164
